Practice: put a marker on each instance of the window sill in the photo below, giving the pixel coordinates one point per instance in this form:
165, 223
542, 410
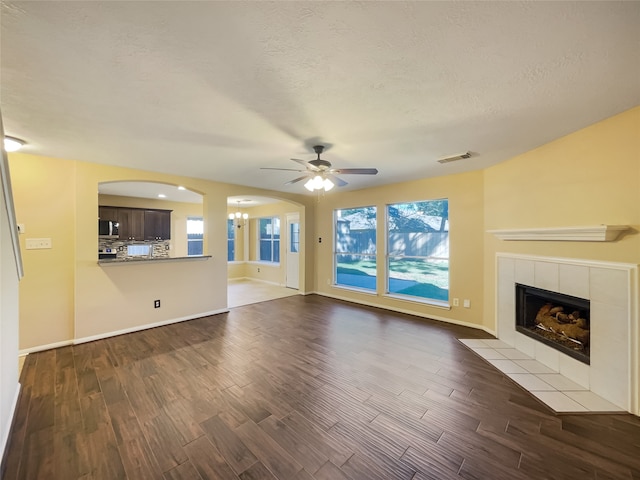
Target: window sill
267, 264
355, 289
427, 302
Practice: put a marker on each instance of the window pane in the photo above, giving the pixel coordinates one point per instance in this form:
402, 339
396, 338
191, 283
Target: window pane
195, 234
276, 251
265, 228
418, 249
357, 271
356, 230
419, 277
294, 238
265, 250
231, 241
194, 247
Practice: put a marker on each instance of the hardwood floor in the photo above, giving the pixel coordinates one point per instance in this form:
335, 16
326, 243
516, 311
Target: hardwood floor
303, 387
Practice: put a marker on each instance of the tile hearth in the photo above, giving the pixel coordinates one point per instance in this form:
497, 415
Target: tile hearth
551, 388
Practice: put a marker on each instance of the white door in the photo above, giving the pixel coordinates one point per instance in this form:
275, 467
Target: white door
293, 250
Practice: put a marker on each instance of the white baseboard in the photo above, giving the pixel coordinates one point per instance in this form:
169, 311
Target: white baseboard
9, 422
411, 312
115, 333
48, 346
100, 336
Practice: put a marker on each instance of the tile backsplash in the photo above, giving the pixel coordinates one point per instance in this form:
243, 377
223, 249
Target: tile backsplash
157, 248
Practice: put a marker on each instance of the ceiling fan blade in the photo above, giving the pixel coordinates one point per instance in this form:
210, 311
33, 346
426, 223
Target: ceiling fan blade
286, 169
355, 171
308, 165
338, 181
296, 180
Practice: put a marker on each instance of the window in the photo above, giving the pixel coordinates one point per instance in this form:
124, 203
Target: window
418, 249
195, 234
269, 245
294, 237
231, 241
355, 247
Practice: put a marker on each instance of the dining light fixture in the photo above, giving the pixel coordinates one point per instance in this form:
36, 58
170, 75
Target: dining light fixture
12, 144
318, 183
236, 217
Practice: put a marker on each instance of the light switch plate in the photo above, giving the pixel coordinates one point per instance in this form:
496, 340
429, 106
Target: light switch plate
37, 243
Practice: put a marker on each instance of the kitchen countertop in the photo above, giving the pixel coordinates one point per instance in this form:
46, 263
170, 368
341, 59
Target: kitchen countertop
123, 261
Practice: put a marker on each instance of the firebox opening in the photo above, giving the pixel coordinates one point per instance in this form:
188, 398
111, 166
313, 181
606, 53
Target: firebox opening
558, 320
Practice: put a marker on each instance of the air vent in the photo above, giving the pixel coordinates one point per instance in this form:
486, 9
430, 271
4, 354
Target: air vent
454, 158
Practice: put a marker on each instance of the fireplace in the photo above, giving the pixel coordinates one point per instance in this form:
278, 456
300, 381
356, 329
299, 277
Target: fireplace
555, 319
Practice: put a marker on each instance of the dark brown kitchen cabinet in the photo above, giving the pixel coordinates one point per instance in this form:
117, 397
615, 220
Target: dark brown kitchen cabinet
108, 213
131, 224
138, 223
157, 224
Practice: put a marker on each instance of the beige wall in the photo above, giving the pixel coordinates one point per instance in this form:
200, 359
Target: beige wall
68, 296
589, 177
465, 194
180, 211
46, 205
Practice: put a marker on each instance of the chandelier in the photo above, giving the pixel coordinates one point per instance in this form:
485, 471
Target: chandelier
239, 218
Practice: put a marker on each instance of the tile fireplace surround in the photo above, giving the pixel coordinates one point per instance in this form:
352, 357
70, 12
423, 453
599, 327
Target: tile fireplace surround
612, 290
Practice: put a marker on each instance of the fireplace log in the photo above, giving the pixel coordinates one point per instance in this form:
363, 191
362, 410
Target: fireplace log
552, 318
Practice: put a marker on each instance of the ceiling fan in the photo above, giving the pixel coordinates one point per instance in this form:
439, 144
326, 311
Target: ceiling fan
320, 174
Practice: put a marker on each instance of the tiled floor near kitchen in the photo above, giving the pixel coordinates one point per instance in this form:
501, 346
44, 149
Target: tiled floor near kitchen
552, 388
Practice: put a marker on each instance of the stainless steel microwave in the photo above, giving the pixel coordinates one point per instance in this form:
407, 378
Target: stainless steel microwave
107, 229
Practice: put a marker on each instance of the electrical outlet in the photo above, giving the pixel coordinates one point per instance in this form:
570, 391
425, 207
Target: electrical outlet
21, 229
156, 304
328, 281
456, 302
467, 303
258, 269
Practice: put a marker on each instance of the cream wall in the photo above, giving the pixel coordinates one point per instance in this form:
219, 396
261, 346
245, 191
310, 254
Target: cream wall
589, 177
57, 199
465, 194
45, 204
180, 211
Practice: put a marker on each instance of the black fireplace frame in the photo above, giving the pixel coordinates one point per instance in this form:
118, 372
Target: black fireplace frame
525, 308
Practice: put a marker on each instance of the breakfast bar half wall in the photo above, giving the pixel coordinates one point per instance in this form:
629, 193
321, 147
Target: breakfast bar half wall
133, 295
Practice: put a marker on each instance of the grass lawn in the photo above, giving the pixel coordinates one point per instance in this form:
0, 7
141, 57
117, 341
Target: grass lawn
407, 276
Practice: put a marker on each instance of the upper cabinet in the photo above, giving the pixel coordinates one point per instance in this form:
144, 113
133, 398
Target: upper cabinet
139, 223
157, 224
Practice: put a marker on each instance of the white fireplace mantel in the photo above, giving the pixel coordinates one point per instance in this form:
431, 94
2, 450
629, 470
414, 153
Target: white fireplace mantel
595, 233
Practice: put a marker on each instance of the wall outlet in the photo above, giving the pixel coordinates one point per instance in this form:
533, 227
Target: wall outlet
156, 304
328, 281
21, 229
467, 303
37, 243
258, 269
456, 302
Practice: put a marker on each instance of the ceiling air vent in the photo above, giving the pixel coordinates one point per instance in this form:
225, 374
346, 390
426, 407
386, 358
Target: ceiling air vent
453, 158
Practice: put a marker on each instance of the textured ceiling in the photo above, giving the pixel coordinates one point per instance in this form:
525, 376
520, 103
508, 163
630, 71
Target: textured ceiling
219, 89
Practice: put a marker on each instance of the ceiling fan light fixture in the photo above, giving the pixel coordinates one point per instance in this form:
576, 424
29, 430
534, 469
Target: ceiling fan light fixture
12, 144
328, 184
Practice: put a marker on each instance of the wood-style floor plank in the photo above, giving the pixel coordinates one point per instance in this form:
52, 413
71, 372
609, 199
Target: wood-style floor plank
300, 388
